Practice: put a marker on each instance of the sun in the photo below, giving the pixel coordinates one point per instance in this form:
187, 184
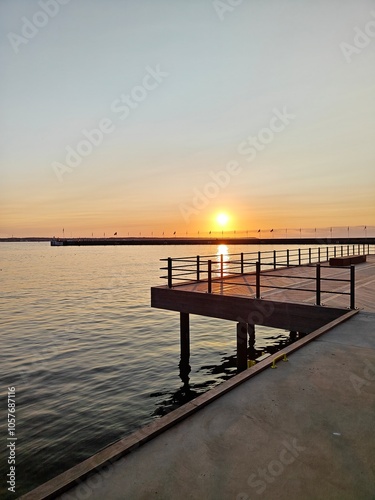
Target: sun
222, 219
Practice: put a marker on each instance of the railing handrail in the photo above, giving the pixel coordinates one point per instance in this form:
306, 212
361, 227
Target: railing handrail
181, 268
353, 246
304, 252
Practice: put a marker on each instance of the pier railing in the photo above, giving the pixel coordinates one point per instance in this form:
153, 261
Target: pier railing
216, 268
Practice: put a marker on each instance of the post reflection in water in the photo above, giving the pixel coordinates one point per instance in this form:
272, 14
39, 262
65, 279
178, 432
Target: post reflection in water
185, 370
221, 268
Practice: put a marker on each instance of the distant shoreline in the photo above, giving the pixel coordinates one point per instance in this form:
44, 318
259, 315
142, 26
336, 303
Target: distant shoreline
188, 241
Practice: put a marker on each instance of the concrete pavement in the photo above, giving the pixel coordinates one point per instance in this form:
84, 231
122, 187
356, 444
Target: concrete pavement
302, 431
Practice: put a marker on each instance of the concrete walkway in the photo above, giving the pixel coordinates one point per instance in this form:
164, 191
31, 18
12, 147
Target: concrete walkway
302, 431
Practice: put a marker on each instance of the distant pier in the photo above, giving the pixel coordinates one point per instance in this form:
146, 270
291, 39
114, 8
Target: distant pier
224, 240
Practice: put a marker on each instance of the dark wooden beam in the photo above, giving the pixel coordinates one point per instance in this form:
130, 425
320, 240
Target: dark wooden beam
286, 315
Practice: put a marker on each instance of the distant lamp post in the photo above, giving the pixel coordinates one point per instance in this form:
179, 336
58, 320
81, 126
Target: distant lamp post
300, 233
365, 230
348, 231
330, 230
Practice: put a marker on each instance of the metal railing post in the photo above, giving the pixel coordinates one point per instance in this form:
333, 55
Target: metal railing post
287, 258
169, 272
274, 259
334, 251
299, 256
257, 280
221, 266
242, 263
327, 254
309, 255
259, 256
342, 251
198, 268
209, 272
318, 284
319, 254
352, 287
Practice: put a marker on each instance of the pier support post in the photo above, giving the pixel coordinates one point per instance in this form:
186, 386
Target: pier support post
185, 347
251, 334
241, 347
251, 340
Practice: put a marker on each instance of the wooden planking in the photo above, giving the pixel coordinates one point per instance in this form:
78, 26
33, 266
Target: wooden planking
290, 316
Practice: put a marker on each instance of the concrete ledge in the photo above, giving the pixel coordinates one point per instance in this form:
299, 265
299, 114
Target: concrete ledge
114, 452
347, 261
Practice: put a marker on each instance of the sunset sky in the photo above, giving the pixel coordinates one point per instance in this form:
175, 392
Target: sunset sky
157, 115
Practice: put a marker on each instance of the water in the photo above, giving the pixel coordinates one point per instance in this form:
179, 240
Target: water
89, 358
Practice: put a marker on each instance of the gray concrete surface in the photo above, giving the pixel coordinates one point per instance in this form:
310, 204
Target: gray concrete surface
302, 431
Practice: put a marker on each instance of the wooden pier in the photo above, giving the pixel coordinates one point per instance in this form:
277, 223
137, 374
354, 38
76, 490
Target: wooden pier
294, 290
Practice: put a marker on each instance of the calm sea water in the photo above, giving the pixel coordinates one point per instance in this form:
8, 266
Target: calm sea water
91, 361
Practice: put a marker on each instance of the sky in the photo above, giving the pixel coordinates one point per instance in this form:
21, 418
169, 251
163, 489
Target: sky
154, 116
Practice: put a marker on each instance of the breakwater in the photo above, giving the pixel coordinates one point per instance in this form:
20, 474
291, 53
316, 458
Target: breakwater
206, 241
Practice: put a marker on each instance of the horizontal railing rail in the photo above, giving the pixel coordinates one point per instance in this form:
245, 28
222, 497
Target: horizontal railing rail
214, 267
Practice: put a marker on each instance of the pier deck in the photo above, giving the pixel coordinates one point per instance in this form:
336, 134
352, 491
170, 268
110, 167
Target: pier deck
301, 277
